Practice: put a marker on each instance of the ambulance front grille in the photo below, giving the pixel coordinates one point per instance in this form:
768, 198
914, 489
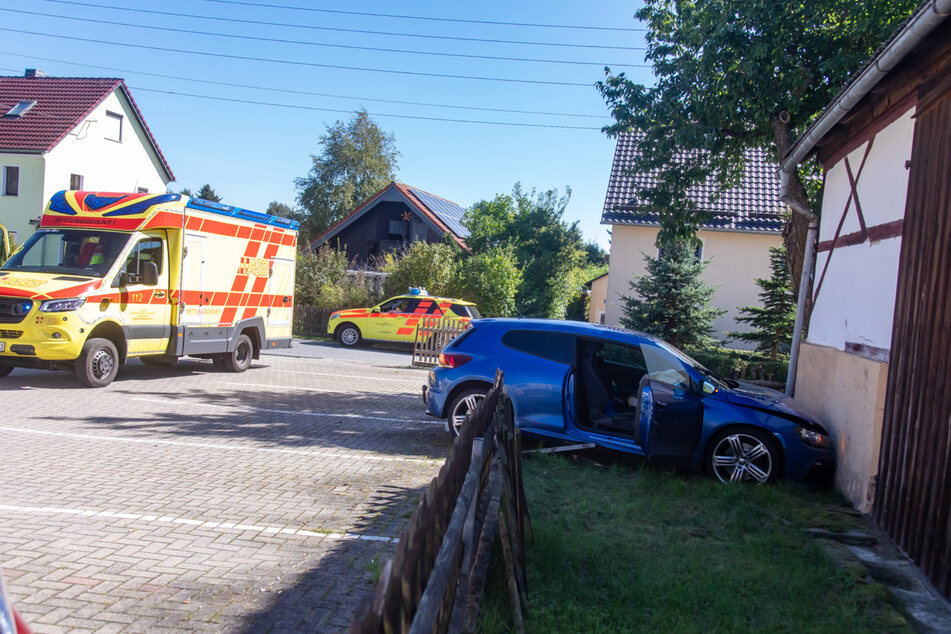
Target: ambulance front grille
11, 334
14, 309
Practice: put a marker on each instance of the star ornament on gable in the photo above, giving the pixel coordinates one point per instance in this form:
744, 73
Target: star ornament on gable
407, 216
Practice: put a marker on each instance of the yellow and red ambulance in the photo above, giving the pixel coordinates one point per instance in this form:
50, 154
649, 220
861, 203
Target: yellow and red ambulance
112, 276
397, 318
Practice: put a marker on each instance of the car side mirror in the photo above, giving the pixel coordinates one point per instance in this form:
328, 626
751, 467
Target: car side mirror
122, 279
708, 388
375, 310
149, 273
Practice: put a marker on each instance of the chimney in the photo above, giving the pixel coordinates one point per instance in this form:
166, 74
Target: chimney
32, 72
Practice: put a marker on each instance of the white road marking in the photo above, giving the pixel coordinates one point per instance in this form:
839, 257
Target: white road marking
298, 412
220, 526
357, 457
320, 389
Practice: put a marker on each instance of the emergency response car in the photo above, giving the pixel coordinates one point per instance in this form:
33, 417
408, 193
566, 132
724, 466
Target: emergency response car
108, 277
397, 318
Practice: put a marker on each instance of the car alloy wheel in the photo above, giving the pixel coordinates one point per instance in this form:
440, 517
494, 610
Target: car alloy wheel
464, 404
743, 456
349, 336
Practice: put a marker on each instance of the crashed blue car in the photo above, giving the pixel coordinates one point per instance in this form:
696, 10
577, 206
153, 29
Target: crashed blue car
579, 383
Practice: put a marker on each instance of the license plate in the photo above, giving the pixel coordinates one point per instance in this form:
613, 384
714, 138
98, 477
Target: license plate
3, 346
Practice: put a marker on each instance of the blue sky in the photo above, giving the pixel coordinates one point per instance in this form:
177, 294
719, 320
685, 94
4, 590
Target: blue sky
251, 152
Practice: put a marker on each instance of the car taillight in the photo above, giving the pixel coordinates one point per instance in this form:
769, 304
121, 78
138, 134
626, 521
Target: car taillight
452, 359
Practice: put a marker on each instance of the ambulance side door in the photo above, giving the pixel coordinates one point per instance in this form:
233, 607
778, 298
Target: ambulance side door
193, 279
145, 309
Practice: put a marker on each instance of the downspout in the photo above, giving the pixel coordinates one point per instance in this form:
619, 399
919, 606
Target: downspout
914, 32
808, 261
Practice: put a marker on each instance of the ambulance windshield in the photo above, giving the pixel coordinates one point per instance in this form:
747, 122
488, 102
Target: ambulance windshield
69, 251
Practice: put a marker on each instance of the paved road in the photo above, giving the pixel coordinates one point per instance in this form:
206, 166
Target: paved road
184, 499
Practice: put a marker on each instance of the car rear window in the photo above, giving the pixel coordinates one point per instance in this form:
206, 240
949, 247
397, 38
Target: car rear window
455, 342
465, 311
554, 346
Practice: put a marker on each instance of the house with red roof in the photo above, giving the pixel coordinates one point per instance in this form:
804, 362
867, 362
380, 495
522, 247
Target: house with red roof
394, 217
71, 133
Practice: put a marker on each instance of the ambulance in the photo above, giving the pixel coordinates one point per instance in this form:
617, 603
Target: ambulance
112, 276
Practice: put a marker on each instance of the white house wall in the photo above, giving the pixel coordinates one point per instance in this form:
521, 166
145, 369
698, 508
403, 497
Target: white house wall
104, 164
856, 301
16, 211
737, 260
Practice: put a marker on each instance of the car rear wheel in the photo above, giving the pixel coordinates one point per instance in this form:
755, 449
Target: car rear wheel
462, 406
348, 335
744, 455
239, 359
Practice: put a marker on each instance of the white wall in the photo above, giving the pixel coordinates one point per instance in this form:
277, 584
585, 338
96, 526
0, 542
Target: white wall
736, 261
16, 211
856, 301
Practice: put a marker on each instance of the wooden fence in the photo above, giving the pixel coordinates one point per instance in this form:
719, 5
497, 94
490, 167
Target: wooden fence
310, 321
433, 334
436, 580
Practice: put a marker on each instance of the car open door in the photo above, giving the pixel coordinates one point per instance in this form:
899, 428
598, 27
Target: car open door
671, 410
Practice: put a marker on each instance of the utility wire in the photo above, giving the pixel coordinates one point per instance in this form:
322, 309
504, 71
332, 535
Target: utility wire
347, 30
297, 92
306, 43
374, 114
272, 60
432, 19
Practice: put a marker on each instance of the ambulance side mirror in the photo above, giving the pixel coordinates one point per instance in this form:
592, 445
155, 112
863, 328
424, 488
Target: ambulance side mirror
375, 310
149, 273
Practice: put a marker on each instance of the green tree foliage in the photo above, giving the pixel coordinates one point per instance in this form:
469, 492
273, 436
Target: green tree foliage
207, 193
357, 159
432, 266
491, 280
738, 74
280, 209
546, 248
773, 322
322, 280
672, 301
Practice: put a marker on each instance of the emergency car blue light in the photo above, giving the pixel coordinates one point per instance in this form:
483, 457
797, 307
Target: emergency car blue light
22, 308
418, 290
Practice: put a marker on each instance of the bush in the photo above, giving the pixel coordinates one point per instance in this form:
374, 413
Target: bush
431, 266
491, 280
742, 364
322, 279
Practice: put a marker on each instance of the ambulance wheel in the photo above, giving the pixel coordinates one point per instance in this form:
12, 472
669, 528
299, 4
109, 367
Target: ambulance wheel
239, 359
97, 363
348, 335
5, 369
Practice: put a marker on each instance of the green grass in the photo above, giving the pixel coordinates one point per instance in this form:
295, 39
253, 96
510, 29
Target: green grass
645, 549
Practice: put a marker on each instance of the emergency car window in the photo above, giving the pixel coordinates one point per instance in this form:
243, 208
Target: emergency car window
465, 311
76, 251
399, 305
149, 250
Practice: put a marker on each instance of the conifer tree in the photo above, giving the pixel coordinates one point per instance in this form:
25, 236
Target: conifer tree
672, 301
773, 322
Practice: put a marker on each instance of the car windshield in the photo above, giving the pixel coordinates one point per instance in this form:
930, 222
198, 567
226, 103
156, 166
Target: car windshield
68, 251
696, 365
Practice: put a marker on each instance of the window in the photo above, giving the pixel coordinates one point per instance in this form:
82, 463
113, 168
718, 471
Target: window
554, 346
418, 231
465, 311
75, 181
148, 250
664, 367
399, 305
11, 180
630, 356
397, 229
20, 109
142, 190
113, 126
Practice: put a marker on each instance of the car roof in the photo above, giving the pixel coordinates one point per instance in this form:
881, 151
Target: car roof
581, 328
431, 297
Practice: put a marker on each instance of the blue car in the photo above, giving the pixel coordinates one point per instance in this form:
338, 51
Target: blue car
574, 382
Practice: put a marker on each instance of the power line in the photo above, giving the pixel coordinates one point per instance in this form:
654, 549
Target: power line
347, 30
298, 92
434, 19
306, 43
272, 60
374, 114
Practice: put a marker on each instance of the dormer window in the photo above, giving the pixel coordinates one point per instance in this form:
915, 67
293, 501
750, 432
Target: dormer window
113, 126
20, 109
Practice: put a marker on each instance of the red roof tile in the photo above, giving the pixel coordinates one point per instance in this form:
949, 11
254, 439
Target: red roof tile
61, 104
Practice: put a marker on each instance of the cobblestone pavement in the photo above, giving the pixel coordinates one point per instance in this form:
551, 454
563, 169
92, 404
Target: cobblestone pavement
185, 499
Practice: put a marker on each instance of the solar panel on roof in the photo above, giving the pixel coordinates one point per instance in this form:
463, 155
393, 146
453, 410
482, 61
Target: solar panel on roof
449, 213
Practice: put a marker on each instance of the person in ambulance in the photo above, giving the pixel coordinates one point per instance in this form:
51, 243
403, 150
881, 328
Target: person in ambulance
397, 318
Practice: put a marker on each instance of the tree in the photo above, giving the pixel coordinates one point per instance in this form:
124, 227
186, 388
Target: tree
491, 280
546, 248
428, 265
773, 323
738, 74
671, 301
207, 193
322, 279
280, 209
357, 159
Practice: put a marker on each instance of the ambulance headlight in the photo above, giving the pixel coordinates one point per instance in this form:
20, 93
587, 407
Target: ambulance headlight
62, 305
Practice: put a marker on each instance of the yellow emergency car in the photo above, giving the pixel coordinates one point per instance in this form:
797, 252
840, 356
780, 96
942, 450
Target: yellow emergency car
397, 318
